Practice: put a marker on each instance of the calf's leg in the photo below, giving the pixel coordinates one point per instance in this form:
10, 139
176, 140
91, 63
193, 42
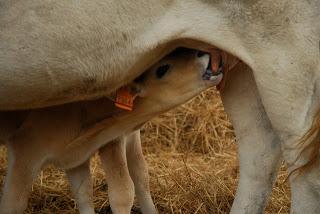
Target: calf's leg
81, 186
23, 166
120, 185
139, 172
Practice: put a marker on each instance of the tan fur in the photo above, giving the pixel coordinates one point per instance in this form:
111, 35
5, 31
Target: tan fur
55, 52
126, 171
44, 136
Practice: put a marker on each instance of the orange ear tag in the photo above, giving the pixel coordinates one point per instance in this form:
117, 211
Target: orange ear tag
124, 99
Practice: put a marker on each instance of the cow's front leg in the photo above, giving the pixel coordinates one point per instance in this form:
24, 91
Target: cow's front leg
258, 146
291, 97
81, 186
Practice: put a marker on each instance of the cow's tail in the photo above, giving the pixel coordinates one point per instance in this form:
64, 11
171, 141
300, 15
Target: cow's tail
310, 144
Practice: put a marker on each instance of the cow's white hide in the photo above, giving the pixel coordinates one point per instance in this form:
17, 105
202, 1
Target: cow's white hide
54, 52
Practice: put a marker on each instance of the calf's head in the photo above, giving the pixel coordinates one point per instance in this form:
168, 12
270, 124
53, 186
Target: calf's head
175, 79
172, 81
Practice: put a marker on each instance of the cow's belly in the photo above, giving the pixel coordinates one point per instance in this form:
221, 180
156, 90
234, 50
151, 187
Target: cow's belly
57, 52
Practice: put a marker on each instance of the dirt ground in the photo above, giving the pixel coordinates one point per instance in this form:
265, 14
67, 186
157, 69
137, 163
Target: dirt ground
192, 157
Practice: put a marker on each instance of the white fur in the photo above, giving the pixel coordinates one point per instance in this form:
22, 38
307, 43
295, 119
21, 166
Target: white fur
58, 52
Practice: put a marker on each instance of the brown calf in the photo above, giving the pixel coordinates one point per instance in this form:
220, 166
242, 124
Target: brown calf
68, 135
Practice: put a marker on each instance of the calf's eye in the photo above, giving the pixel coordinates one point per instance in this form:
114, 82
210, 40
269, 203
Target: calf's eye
162, 70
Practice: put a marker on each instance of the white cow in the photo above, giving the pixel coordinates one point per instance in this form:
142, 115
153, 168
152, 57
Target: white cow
56, 52
42, 136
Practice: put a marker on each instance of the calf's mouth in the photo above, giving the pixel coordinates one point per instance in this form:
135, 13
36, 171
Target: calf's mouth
214, 69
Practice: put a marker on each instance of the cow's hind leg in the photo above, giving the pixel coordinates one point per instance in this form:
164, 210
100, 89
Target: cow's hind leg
120, 185
139, 172
81, 186
258, 146
291, 97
